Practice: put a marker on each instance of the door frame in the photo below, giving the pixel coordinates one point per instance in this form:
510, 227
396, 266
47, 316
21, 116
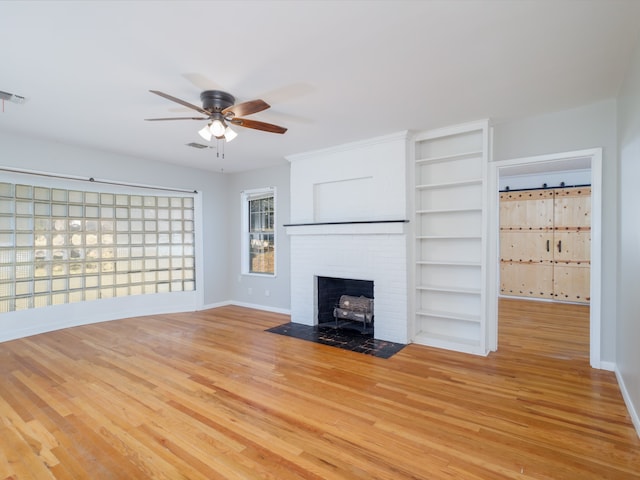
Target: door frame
493, 276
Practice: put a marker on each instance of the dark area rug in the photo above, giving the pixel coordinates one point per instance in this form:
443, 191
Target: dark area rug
344, 338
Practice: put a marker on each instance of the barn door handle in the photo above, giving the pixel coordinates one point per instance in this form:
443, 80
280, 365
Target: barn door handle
559, 246
547, 245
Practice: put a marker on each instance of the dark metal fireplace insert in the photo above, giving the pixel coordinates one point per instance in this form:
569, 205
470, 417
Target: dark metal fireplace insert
330, 290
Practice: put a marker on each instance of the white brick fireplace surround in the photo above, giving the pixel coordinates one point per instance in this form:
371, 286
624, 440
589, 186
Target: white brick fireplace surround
348, 211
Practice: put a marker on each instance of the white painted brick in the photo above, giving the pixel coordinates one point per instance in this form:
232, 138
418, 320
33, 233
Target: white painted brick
380, 258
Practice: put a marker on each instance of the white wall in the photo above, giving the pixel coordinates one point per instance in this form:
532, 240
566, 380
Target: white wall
628, 338
325, 182
581, 128
25, 153
552, 179
250, 290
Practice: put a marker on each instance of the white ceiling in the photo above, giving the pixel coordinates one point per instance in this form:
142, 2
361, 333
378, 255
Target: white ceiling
333, 71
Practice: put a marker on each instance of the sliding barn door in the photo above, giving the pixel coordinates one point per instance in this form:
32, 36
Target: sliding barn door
545, 242
572, 244
526, 243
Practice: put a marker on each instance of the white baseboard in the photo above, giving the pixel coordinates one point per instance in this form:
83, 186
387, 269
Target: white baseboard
25, 323
628, 402
33, 321
609, 366
215, 305
284, 311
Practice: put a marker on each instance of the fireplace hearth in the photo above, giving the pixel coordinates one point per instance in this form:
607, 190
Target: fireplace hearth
344, 339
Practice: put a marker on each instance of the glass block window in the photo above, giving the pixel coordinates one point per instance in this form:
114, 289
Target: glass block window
259, 242
65, 246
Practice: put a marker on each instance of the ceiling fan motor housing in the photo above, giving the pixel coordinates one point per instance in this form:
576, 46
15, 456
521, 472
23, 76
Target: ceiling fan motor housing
216, 100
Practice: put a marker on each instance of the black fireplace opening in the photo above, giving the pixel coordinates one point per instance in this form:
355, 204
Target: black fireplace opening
330, 289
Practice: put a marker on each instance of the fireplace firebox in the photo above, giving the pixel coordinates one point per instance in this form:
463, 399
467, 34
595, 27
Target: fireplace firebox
330, 289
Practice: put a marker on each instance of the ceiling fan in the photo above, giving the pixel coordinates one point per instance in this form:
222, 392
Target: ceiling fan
219, 109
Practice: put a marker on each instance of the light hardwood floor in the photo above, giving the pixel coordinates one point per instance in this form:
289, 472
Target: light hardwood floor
211, 395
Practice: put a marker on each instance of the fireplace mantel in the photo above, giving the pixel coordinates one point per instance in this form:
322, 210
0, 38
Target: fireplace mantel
343, 223
356, 227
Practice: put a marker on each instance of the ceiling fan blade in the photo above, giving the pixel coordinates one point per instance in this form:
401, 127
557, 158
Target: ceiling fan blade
176, 118
181, 102
267, 127
246, 108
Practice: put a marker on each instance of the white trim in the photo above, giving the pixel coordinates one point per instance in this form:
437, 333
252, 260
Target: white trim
410, 189
595, 328
21, 323
452, 130
484, 275
609, 366
245, 197
255, 306
199, 249
633, 413
94, 181
491, 273
209, 306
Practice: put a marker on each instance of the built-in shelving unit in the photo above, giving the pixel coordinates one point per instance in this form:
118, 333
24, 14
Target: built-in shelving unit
450, 237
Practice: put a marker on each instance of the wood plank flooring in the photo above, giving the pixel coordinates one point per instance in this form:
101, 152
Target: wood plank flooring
211, 395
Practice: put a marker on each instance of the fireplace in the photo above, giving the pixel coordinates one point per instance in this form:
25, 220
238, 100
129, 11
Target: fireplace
330, 289
348, 221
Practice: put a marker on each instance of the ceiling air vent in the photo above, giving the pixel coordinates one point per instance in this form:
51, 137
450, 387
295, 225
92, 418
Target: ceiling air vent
12, 97
197, 145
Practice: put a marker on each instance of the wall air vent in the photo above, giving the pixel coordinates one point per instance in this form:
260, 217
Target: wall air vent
12, 97
197, 145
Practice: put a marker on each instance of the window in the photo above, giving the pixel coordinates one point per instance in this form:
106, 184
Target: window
258, 235
61, 246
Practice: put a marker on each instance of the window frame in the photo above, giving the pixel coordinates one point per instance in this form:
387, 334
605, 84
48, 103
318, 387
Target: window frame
245, 249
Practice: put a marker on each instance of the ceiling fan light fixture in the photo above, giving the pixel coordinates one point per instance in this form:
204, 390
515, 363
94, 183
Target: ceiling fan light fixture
229, 134
205, 133
217, 128
219, 109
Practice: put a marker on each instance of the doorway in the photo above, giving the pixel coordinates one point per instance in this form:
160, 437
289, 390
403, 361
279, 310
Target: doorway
590, 160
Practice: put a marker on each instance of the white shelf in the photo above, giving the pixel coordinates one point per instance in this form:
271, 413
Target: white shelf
449, 237
449, 210
466, 291
463, 317
446, 158
459, 183
449, 214
448, 263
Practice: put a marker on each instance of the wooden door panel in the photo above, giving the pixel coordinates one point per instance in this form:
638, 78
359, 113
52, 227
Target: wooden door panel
571, 282
572, 208
526, 246
526, 210
572, 246
531, 218
526, 279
